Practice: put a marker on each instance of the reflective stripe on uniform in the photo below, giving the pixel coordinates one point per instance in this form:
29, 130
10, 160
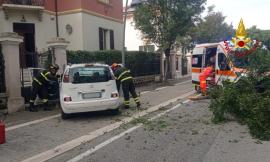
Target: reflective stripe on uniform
32, 101
126, 102
45, 100
123, 74
37, 81
137, 99
126, 79
47, 73
45, 77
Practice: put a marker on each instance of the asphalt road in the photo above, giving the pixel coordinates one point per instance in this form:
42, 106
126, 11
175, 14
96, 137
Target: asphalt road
183, 134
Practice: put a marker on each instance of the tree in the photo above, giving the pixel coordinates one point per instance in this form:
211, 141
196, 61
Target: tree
248, 98
162, 21
261, 35
212, 28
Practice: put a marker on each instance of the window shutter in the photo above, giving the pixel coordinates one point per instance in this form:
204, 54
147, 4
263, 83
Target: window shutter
111, 39
101, 39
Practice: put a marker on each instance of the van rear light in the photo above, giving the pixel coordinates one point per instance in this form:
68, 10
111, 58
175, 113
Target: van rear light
114, 95
66, 79
67, 99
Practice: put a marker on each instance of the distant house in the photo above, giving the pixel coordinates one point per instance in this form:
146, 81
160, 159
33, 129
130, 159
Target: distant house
134, 38
87, 24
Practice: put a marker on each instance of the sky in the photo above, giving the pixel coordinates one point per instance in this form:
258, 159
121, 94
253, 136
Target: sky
253, 12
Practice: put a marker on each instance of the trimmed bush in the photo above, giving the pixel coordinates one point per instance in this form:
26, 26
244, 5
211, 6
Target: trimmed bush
140, 63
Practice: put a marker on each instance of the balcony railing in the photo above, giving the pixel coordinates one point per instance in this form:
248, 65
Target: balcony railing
24, 2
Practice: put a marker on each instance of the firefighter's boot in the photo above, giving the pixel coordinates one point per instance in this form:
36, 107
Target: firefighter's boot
126, 103
138, 104
32, 107
126, 106
46, 107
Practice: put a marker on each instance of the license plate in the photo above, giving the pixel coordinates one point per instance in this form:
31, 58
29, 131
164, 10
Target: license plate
91, 95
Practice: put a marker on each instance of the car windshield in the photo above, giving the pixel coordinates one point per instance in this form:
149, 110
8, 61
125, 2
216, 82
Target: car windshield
92, 74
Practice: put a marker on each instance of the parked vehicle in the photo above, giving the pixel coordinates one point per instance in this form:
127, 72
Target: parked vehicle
88, 87
227, 67
27, 76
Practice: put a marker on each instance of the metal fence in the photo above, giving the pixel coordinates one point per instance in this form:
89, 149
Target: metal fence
3, 96
143, 69
184, 66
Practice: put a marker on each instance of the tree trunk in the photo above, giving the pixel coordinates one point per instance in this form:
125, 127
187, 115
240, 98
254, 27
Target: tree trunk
167, 64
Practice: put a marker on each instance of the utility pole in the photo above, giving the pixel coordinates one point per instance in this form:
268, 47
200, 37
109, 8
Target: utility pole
124, 35
56, 17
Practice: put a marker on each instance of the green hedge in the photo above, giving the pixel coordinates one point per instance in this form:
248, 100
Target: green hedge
2, 72
140, 63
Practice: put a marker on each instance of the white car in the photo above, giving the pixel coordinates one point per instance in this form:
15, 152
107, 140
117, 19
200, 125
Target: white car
88, 87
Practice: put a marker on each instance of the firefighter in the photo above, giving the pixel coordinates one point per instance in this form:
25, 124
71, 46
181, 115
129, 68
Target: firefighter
207, 72
40, 87
123, 76
118, 83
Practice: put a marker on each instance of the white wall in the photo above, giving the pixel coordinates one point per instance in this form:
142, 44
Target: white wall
76, 37
44, 30
133, 36
1, 20
91, 26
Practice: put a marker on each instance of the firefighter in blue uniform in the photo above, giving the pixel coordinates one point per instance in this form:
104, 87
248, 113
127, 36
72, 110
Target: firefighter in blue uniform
123, 76
40, 87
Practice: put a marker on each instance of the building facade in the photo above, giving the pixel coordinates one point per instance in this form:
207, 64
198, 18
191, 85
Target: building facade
87, 24
133, 37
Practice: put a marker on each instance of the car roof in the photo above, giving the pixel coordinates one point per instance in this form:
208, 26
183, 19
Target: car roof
207, 45
84, 64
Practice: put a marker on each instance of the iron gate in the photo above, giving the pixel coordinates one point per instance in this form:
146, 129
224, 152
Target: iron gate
3, 96
184, 66
2, 73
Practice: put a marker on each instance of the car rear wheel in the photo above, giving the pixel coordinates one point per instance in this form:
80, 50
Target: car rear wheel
115, 111
65, 116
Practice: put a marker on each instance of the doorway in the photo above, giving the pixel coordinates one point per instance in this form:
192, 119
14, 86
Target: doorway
28, 56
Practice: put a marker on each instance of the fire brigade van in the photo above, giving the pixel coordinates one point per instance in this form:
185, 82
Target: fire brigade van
227, 67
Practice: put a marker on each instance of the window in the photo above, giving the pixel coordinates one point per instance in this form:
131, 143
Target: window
111, 39
90, 74
210, 56
147, 48
105, 36
104, 1
222, 62
197, 61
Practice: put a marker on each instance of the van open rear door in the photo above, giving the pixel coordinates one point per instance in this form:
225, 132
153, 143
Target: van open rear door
197, 64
